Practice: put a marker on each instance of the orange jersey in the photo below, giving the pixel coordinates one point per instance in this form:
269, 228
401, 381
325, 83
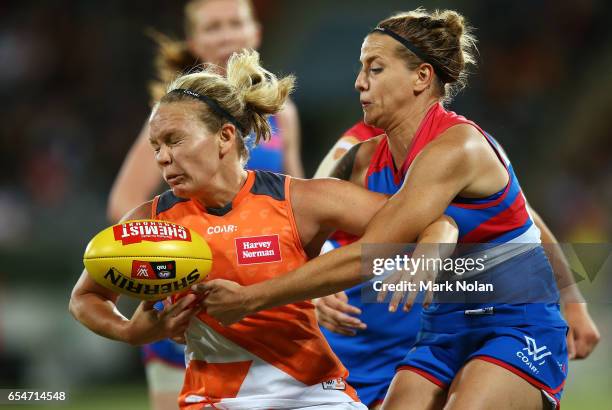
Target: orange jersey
275, 358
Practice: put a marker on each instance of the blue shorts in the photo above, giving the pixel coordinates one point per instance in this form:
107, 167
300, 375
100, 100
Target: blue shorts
533, 347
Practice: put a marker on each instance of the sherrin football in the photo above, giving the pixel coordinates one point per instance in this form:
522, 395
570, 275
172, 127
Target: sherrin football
147, 259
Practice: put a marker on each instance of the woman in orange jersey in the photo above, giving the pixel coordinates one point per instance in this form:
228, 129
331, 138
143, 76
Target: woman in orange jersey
259, 226
214, 29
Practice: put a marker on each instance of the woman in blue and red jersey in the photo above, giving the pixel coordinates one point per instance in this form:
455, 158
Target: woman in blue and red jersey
214, 30
410, 63
368, 339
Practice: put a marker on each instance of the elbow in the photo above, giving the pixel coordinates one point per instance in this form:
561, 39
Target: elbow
75, 304
73, 308
113, 210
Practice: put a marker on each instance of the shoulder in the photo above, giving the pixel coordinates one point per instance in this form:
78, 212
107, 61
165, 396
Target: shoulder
463, 141
270, 184
143, 211
459, 153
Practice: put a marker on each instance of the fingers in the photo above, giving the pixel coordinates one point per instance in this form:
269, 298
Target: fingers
382, 295
339, 318
208, 286
180, 339
202, 288
182, 319
410, 301
571, 347
334, 327
339, 301
148, 305
428, 299
393, 278
182, 304
584, 344
342, 296
396, 299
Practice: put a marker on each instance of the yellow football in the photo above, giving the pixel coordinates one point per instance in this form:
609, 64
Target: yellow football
147, 259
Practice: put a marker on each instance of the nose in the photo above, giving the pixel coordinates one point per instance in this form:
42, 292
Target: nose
360, 82
163, 156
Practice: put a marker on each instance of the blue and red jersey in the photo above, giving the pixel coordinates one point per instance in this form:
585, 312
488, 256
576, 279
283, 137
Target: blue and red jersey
267, 155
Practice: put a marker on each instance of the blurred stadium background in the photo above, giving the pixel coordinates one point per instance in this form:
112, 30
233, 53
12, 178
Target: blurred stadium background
73, 93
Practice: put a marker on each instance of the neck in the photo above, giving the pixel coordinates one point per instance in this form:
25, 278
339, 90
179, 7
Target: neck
223, 187
402, 131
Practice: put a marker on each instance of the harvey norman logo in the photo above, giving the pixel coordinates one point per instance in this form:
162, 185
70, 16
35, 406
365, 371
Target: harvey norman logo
258, 249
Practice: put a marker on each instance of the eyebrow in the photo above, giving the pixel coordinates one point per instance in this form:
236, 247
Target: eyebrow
370, 59
165, 136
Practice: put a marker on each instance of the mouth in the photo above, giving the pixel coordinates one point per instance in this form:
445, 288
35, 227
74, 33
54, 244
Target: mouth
173, 179
365, 104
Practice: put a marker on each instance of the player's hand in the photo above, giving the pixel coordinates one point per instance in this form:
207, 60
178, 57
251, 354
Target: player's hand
148, 324
407, 279
224, 300
583, 335
334, 313
180, 339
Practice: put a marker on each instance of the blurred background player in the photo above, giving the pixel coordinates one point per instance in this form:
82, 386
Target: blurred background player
214, 29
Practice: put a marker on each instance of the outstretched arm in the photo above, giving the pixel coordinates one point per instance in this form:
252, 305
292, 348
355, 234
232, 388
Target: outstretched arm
443, 170
322, 206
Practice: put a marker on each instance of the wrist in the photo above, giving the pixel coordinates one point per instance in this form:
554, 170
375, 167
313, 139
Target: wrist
126, 333
254, 298
575, 307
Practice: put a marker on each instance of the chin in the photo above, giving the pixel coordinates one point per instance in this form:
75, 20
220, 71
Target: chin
371, 120
180, 192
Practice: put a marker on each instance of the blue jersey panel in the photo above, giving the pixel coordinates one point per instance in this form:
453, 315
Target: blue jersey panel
267, 156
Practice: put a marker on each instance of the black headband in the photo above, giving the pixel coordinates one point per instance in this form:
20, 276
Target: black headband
214, 105
408, 44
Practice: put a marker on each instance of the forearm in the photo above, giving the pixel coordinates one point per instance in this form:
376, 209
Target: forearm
100, 315
439, 238
324, 275
566, 284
